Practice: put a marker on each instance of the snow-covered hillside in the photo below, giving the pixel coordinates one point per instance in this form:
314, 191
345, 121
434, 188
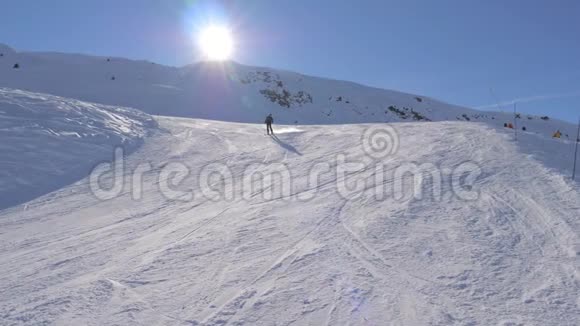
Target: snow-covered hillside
207, 248
234, 92
48, 141
437, 221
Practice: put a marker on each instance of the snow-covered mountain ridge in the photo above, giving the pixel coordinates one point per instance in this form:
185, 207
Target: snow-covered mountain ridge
233, 92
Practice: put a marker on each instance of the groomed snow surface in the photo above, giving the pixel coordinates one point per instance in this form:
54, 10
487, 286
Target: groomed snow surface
317, 254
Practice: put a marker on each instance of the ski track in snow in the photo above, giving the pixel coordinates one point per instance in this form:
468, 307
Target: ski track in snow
508, 258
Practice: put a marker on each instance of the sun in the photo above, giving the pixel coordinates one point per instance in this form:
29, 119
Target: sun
216, 42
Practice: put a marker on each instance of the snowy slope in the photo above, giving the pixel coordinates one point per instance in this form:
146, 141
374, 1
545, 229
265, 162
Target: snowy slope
48, 141
313, 256
233, 92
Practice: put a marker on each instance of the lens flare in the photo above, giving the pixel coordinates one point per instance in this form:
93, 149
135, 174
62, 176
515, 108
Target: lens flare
216, 42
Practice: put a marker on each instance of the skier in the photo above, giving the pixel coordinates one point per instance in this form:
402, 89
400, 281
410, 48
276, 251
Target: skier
269, 121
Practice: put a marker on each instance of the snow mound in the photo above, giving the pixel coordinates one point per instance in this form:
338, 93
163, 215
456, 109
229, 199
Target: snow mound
49, 141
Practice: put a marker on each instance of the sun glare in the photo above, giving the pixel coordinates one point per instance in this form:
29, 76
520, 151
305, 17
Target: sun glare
216, 42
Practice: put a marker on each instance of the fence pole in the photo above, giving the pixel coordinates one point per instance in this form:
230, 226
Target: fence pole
576, 152
496, 100
515, 122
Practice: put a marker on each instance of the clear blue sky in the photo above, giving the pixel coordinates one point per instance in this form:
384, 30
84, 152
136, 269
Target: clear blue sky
456, 51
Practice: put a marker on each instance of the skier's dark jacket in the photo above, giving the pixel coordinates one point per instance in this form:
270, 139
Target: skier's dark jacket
269, 120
